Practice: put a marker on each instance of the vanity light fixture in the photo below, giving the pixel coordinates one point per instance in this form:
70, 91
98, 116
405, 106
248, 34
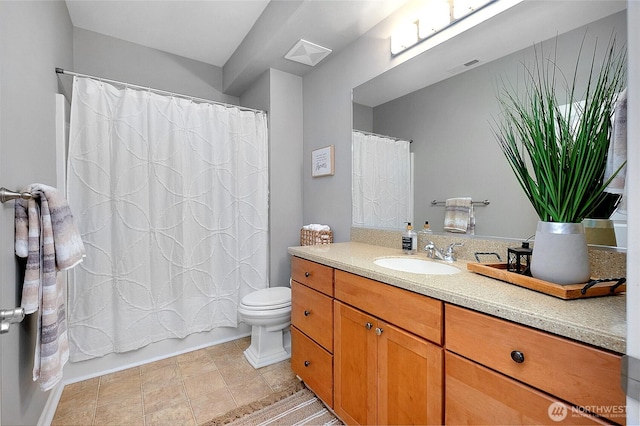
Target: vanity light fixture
437, 16
404, 37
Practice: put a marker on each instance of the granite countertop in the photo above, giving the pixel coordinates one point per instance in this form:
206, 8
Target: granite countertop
599, 321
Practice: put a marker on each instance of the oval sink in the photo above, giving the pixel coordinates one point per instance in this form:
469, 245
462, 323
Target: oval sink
416, 266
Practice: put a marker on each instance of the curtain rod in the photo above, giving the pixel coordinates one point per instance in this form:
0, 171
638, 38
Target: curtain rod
384, 136
158, 91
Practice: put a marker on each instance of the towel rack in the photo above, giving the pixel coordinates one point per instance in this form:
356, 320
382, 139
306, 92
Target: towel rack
7, 195
442, 203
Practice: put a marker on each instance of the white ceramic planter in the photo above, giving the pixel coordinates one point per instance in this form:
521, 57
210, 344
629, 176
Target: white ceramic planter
560, 253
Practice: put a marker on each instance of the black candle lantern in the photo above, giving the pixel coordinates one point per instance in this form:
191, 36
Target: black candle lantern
519, 258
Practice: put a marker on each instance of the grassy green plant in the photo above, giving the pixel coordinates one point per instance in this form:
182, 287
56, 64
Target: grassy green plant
559, 156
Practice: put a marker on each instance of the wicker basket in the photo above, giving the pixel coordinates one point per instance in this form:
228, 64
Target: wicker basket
311, 238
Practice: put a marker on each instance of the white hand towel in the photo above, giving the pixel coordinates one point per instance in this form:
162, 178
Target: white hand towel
459, 216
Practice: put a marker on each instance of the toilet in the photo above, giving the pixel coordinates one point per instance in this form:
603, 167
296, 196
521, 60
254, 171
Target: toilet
268, 312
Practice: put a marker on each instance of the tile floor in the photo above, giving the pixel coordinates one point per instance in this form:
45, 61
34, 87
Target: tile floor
187, 389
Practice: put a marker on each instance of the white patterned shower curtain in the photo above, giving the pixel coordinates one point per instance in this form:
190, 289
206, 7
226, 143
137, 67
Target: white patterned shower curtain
171, 198
382, 183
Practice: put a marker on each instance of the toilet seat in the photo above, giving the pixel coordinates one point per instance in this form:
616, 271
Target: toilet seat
267, 299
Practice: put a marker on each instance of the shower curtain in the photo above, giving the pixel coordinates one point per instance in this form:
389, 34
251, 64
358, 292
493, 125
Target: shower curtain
382, 190
171, 199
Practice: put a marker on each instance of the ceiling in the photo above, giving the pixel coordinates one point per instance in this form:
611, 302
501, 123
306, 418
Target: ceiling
244, 37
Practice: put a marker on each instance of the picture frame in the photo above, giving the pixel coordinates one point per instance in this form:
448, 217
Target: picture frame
323, 161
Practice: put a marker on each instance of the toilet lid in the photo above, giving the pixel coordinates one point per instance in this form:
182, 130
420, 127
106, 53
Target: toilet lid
269, 298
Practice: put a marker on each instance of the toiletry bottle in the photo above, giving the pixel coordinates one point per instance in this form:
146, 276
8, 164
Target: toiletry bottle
424, 235
409, 240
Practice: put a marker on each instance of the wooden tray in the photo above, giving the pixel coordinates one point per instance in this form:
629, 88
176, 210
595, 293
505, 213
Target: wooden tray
572, 291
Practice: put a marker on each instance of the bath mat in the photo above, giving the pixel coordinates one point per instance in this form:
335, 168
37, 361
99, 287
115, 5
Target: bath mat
301, 407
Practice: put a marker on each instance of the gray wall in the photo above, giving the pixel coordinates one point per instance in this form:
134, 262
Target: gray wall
456, 153
35, 37
327, 121
280, 94
115, 59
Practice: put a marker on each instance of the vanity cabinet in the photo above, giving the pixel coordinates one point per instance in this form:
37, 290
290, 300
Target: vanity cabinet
387, 359
497, 370
312, 326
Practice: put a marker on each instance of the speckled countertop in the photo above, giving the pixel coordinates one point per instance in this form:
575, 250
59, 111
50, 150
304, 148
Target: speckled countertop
599, 321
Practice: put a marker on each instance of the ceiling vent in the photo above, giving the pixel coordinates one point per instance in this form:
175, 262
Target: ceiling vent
465, 66
307, 53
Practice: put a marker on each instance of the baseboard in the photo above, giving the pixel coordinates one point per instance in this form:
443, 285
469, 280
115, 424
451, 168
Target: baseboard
49, 410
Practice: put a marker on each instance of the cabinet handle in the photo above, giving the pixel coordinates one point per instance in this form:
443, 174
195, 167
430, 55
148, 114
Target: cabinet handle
368, 326
379, 331
306, 274
307, 313
307, 363
517, 356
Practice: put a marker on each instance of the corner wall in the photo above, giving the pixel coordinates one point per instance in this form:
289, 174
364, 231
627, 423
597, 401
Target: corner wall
35, 38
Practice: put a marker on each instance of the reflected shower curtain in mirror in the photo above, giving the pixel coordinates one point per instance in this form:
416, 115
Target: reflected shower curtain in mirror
382, 189
171, 200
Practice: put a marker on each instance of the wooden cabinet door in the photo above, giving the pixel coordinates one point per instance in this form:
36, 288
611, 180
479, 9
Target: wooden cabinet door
355, 365
410, 388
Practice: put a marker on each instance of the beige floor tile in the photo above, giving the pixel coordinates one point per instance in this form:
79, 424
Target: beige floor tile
278, 376
79, 415
161, 376
201, 385
195, 365
167, 362
224, 348
157, 399
120, 375
246, 392
214, 404
119, 414
189, 388
125, 390
176, 415
82, 388
79, 396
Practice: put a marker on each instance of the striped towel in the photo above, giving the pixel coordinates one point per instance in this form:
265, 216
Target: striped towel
46, 235
459, 216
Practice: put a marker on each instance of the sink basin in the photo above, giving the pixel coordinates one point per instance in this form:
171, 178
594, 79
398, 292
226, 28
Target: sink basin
416, 266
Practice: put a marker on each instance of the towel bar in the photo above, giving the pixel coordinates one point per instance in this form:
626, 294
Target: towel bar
10, 316
7, 195
483, 202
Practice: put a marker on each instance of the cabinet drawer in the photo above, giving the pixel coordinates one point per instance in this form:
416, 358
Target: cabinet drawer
413, 312
314, 275
477, 395
585, 376
312, 313
313, 365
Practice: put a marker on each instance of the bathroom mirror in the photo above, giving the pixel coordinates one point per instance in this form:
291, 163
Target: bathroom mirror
444, 100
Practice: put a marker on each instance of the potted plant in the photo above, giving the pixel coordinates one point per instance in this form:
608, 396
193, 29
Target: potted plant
556, 137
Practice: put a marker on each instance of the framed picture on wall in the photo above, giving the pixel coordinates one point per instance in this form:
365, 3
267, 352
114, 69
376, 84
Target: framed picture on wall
322, 162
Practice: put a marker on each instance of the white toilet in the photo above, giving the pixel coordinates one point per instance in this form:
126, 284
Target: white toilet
268, 312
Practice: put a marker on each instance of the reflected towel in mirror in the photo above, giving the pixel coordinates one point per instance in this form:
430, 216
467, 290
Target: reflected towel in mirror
459, 216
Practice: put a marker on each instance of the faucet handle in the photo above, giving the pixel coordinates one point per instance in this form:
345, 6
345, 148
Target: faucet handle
450, 255
452, 246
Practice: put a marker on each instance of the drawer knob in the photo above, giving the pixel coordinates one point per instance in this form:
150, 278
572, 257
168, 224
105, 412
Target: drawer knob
307, 363
368, 326
517, 356
306, 274
307, 313
378, 331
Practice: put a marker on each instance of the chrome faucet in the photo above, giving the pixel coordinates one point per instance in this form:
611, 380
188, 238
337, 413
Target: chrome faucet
435, 253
